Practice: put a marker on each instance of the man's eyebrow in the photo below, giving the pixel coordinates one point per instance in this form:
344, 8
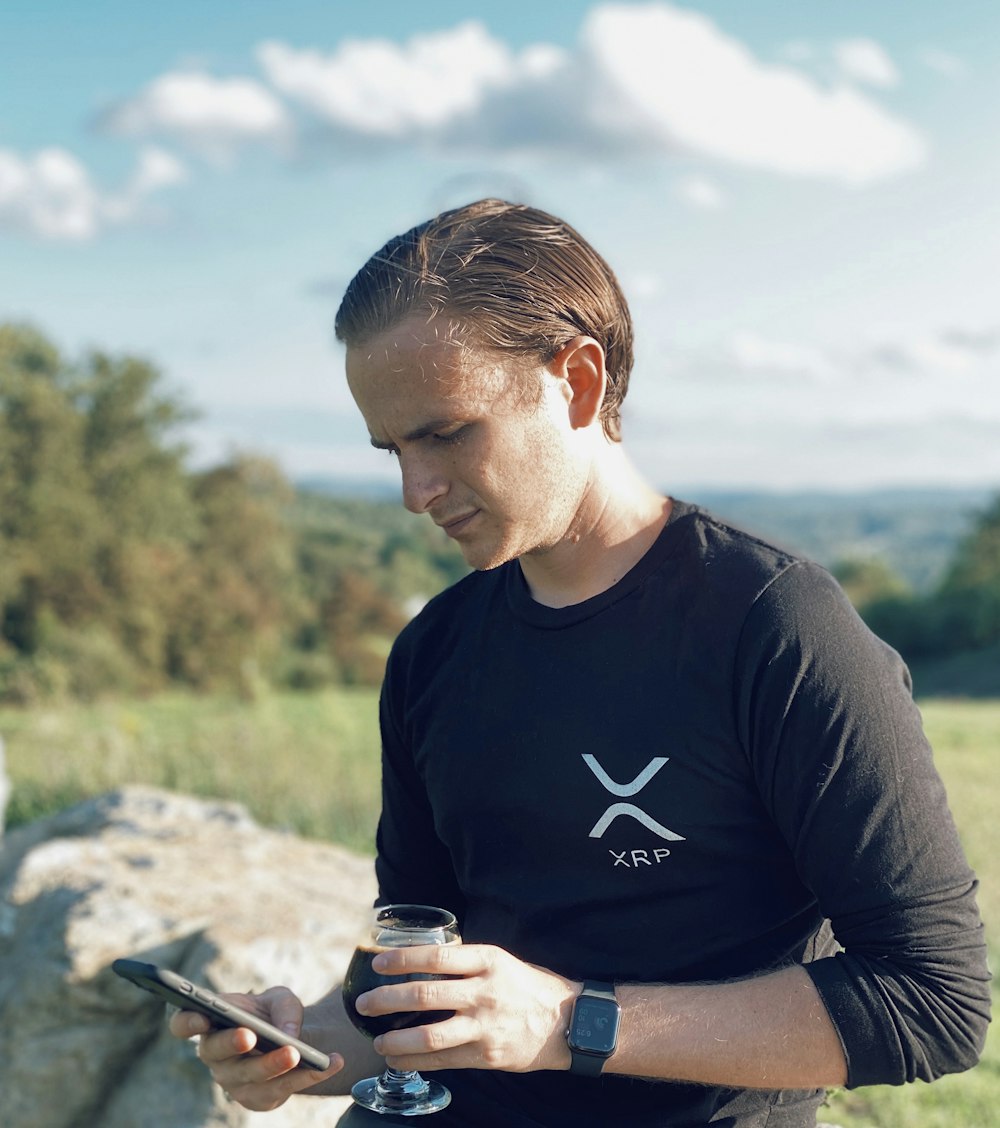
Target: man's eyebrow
420, 432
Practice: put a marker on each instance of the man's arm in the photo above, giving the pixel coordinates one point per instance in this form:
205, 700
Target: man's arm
768, 1032
843, 767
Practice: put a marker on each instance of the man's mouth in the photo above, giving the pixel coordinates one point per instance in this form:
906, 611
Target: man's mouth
455, 525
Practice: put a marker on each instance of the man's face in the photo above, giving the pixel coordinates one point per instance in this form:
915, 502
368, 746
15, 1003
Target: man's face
497, 467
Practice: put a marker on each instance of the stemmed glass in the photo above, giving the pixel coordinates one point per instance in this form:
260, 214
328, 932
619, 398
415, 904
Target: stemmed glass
403, 1092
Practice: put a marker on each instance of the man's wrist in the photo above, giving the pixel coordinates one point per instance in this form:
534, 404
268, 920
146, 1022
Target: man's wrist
592, 1034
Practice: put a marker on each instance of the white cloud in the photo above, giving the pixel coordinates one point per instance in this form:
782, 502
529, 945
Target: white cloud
644, 78
649, 78
380, 88
866, 61
701, 192
52, 195
769, 411
212, 116
975, 342
686, 83
895, 376
951, 66
156, 169
780, 358
49, 194
945, 355
722, 450
798, 51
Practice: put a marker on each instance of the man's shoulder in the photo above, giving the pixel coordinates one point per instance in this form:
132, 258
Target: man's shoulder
716, 545
768, 587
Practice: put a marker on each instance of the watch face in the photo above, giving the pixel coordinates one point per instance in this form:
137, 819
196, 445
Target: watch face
595, 1025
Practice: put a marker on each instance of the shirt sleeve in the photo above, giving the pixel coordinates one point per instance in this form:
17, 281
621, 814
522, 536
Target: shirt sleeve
411, 863
842, 764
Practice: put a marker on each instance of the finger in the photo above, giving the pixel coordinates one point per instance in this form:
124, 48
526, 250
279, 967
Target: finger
265, 1090
187, 1024
422, 995
256, 1069
430, 1040
221, 1045
283, 1009
440, 959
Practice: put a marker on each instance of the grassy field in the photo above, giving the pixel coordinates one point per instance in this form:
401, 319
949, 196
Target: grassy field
302, 762
309, 763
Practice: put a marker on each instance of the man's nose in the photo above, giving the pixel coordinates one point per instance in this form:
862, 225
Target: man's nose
423, 483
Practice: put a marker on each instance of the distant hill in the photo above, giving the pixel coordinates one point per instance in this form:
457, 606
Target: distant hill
913, 530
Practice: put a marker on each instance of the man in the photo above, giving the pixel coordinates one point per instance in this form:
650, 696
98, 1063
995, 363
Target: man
635, 749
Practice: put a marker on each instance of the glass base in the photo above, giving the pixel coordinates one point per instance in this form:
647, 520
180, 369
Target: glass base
403, 1094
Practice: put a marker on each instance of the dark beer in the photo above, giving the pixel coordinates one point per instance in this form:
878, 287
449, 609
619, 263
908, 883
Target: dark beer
361, 978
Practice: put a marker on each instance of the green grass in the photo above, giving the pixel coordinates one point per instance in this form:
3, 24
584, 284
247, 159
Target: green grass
303, 762
309, 763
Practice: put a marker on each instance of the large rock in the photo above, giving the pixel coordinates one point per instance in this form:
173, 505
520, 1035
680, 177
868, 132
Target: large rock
191, 885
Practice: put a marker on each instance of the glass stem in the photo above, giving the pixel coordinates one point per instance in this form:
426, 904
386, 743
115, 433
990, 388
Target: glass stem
401, 1085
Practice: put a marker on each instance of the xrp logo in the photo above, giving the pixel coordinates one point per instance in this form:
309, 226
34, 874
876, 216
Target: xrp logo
626, 791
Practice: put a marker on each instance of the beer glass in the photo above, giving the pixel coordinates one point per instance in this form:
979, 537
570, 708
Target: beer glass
403, 1092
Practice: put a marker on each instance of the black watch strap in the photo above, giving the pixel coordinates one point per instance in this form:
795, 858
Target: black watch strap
601, 990
583, 1063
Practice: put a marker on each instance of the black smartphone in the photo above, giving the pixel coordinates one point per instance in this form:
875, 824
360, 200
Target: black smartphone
175, 989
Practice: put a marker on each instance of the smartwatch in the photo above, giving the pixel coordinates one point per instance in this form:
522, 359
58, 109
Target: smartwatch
593, 1030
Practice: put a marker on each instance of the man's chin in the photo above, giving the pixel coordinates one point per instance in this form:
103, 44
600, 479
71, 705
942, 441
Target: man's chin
485, 559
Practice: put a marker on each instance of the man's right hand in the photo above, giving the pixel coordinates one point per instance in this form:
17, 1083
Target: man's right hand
258, 1081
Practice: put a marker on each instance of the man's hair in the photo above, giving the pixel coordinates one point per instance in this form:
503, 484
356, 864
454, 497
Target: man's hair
514, 279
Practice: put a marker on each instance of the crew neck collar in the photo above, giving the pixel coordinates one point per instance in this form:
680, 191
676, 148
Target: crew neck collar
521, 603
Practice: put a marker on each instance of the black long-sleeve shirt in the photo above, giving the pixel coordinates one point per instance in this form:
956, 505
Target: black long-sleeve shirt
708, 771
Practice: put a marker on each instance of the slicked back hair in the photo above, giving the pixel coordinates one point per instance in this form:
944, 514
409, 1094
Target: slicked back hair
511, 278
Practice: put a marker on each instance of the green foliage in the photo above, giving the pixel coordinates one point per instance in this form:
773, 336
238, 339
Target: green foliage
868, 579
238, 592
961, 614
970, 592
121, 571
364, 567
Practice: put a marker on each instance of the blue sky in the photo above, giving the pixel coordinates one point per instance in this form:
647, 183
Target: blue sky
800, 199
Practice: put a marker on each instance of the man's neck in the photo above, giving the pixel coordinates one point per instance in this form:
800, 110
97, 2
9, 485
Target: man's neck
616, 525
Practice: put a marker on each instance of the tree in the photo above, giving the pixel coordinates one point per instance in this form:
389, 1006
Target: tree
88, 489
240, 596
962, 613
969, 596
121, 569
360, 623
48, 516
869, 579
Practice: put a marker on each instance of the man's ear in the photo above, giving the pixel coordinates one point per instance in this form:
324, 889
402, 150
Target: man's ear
580, 364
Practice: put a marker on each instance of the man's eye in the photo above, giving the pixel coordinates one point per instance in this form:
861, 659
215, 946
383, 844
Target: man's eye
451, 436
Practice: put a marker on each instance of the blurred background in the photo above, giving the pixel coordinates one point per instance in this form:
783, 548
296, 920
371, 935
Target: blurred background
202, 560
